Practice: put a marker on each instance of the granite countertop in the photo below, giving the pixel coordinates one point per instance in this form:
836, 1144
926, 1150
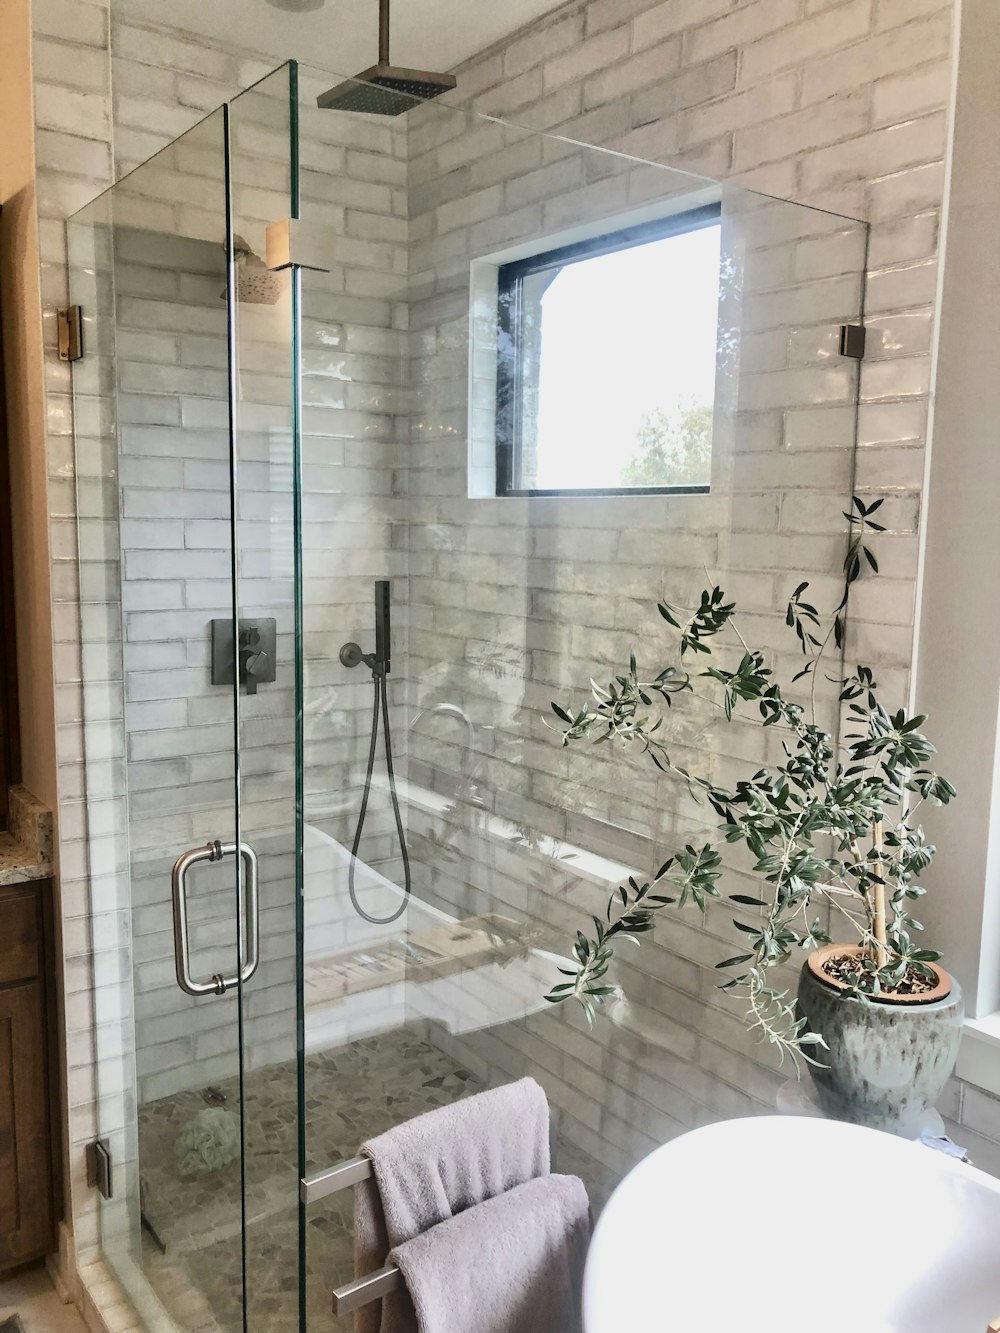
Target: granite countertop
26, 850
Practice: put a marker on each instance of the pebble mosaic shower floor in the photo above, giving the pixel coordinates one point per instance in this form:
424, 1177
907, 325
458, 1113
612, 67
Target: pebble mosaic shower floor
352, 1093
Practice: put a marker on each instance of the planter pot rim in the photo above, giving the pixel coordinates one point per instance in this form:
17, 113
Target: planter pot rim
816, 959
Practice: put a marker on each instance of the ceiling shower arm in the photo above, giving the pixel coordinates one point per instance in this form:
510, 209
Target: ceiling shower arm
384, 90
383, 32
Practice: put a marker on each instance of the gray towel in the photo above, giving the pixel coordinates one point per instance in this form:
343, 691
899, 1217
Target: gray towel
513, 1264
436, 1165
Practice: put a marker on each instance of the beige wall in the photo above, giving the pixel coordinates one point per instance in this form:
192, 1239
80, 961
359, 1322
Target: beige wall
20, 282
22, 339
958, 660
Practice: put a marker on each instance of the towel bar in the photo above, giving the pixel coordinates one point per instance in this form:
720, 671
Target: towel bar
340, 1177
372, 1287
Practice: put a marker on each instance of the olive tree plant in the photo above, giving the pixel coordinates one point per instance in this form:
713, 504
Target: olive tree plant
834, 823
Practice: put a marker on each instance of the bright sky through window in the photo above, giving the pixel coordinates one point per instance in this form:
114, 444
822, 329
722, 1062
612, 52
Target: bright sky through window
624, 336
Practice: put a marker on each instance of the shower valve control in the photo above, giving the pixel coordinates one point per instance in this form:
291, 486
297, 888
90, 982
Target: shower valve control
255, 656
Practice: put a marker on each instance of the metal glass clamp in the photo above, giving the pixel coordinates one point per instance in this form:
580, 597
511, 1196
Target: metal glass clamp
249, 913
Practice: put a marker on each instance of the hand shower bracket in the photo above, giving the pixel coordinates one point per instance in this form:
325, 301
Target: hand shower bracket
379, 663
352, 656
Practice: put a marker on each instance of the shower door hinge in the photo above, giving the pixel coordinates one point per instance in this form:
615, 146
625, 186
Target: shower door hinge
306, 244
99, 1171
852, 341
69, 323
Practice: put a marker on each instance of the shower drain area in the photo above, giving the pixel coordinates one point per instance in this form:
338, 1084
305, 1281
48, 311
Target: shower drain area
191, 1236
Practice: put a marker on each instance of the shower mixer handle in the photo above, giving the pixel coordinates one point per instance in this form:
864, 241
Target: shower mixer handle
252, 655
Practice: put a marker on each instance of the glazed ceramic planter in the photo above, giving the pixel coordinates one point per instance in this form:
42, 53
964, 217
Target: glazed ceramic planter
888, 1060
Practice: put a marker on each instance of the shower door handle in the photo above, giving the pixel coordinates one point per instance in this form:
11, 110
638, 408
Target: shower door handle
249, 913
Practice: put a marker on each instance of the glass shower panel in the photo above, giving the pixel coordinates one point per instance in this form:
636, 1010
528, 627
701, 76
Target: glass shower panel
529, 600
265, 415
355, 423
425, 969
148, 263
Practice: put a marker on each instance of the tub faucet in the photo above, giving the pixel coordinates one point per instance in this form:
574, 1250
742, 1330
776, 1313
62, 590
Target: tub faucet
468, 770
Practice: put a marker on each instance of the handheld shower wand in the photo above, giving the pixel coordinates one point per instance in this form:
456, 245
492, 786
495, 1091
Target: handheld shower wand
379, 663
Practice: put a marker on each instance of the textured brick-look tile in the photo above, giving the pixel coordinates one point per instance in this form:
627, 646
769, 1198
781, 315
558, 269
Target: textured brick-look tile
840, 105
572, 594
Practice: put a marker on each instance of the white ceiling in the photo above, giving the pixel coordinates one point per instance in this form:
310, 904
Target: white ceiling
343, 36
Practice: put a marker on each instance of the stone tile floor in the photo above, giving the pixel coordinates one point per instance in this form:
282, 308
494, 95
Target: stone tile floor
32, 1296
352, 1093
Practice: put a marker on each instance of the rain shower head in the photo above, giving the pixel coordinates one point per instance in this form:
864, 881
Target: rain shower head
386, 90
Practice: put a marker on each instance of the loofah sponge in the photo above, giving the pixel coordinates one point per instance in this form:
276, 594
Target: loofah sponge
208, 1142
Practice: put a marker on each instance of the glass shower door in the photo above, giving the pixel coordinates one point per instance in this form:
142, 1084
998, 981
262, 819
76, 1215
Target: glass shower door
186, 336
262, 156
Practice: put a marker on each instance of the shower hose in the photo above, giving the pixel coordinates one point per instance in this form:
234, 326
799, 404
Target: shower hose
380, 704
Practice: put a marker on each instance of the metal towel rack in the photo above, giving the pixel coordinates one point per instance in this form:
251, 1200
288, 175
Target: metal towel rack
373, 1286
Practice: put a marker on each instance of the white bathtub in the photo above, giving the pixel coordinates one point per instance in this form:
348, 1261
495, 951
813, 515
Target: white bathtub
465, 1000
696, 1236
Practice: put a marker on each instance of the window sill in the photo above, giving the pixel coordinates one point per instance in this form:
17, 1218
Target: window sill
979, 1058
608, 493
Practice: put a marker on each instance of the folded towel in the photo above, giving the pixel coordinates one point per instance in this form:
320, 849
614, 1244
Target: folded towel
436, 1165
513, 1264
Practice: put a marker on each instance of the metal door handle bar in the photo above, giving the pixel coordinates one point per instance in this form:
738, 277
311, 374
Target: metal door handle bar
373, 1286
249, 913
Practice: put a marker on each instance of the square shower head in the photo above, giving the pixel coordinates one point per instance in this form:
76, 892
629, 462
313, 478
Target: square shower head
385, 90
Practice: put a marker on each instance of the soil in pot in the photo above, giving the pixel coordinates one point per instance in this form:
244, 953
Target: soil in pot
846, 969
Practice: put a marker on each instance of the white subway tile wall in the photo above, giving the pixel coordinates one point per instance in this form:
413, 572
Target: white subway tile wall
749, 72
175, 540
839, 106
515, 602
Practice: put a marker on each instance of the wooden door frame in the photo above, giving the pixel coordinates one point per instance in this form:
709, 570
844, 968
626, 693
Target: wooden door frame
10, 728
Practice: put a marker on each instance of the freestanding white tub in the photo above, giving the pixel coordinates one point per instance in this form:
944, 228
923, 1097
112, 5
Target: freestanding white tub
792, 1225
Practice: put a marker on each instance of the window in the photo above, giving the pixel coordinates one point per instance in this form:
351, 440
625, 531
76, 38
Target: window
606, 362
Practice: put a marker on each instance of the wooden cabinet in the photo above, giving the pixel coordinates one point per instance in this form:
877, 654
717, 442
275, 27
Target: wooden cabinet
28, 1174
